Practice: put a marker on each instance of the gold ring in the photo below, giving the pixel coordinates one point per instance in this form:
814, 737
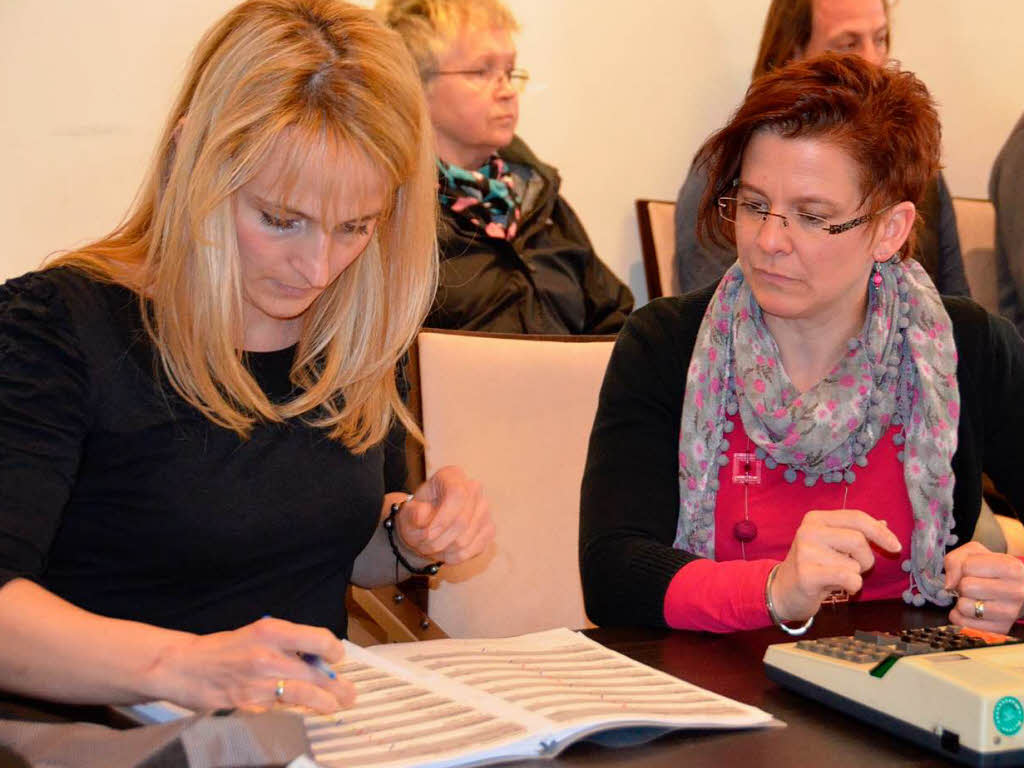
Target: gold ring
279, 690
979, 609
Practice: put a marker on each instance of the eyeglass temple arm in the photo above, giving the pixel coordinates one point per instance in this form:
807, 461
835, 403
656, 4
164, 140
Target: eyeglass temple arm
838, 229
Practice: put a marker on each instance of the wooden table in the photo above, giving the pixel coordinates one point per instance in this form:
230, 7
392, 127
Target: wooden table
732, 665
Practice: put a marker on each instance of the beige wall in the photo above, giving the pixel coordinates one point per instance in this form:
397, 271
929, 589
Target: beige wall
623, 93
971, 55
86, 86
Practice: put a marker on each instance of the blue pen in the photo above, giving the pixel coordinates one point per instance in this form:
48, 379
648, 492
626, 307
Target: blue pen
315, 661
312, 659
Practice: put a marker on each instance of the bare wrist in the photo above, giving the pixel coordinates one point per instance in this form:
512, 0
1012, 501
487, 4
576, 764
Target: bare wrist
162, 679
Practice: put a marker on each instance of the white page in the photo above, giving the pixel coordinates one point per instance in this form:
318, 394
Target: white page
402, 719
520, 697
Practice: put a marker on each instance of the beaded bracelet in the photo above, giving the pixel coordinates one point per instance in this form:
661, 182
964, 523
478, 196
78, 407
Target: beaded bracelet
389, 526
794, 631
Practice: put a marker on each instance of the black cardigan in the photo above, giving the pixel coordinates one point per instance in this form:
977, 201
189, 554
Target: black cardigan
630, 497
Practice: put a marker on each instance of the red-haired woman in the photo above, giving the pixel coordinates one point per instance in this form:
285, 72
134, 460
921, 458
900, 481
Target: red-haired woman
819, 421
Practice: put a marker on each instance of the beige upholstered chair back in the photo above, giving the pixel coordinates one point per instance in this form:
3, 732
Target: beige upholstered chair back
515, 413
656, 219
976, 223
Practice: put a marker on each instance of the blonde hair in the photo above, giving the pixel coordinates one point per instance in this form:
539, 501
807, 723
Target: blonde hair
335, 80
429, 26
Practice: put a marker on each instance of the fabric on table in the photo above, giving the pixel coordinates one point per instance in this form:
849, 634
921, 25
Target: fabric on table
204, 741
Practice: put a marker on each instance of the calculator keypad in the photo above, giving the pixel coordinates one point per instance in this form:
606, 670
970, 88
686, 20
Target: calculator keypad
871, 647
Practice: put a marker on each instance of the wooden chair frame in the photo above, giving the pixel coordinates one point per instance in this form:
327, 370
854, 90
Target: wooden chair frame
652, 270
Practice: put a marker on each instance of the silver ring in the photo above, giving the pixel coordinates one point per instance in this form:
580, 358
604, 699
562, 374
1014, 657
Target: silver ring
979, 609
279, 690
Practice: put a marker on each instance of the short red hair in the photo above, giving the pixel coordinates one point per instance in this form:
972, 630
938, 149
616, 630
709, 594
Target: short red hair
883, 118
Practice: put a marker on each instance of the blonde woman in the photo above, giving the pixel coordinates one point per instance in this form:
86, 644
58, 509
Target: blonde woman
201, 416
514, 256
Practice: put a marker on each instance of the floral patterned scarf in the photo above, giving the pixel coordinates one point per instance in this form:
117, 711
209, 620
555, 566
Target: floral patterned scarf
487, 197
900, 369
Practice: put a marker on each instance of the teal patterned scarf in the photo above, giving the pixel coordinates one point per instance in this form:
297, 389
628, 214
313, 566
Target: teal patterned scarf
488, 197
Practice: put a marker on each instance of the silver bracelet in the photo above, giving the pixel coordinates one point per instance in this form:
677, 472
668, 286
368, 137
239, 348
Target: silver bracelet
793, 631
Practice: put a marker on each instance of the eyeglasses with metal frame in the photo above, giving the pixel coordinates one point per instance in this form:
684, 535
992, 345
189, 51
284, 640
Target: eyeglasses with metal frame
489, 76
733, 209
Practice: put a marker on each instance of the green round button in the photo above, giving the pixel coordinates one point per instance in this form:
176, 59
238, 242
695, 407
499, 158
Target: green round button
1008, 715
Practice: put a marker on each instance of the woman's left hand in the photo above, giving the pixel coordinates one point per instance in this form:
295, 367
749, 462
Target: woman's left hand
989, 583
447, 518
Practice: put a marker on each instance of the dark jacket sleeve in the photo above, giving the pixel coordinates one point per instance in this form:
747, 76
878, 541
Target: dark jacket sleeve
1003, 400
630, 495
952, 280
44, 395
1006, 189
696, 264
608, 300
990, 375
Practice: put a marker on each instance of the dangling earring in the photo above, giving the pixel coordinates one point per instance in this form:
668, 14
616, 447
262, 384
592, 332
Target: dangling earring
876, 277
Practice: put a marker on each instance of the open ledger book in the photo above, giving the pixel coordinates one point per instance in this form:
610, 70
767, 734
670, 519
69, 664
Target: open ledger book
473, 702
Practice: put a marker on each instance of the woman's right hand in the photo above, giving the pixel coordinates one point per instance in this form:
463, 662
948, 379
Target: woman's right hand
830, 551
242, 668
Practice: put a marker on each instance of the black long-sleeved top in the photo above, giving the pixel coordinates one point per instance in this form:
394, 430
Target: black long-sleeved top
630, 496
547, 280
118, 496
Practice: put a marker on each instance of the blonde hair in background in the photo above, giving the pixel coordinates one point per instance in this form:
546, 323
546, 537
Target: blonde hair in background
429, 26
329, 80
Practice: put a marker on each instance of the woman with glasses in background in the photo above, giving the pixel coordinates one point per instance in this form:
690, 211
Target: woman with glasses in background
816, 425
514, 256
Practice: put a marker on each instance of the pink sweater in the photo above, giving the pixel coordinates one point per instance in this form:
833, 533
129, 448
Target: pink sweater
727, 593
